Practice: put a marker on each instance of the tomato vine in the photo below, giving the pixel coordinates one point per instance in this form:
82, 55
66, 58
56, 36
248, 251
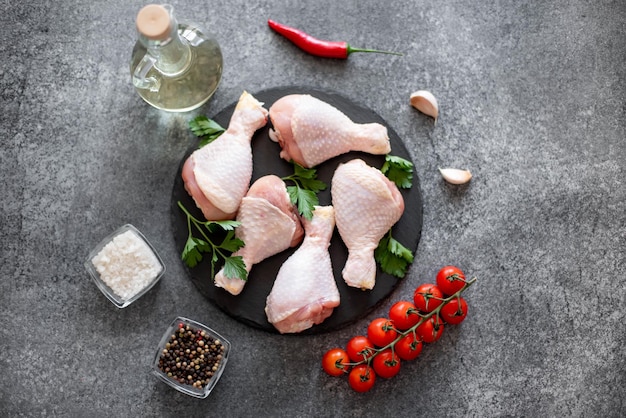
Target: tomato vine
400, 337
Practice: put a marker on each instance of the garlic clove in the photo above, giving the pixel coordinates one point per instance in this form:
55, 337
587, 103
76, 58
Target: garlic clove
455, 176
425, 102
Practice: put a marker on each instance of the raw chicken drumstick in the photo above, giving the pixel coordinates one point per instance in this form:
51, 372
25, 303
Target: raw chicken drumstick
218, 175
367, 204
311, 131
305, 292
269, 224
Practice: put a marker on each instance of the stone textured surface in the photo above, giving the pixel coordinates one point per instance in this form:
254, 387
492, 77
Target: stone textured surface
533, 102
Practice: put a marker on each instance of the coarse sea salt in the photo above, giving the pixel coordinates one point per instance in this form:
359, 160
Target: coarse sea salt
127, 264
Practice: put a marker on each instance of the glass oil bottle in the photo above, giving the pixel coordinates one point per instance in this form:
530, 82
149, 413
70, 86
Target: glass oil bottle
174, 67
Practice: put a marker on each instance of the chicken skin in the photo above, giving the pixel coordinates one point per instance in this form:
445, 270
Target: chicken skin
311, 131
305, 292
367, 204
217, 176
269, 224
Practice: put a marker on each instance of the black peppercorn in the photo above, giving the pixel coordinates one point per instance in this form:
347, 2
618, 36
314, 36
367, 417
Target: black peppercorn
191, 356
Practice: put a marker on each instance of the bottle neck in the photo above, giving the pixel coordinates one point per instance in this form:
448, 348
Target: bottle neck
172, 55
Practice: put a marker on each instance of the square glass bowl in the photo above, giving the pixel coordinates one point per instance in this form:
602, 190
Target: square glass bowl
124, 265
207, 343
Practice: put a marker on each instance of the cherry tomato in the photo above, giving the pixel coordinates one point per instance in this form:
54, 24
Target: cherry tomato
359, 348
455, 311
335, 362
427, 297
431, 329
386, 364
450, 280
381, 332
409, 347
362, 378
404, 315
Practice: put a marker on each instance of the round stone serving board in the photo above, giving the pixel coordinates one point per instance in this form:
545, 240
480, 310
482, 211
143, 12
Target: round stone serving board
249, 306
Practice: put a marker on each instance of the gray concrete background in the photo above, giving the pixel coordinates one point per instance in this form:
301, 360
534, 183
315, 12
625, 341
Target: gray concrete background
532, 98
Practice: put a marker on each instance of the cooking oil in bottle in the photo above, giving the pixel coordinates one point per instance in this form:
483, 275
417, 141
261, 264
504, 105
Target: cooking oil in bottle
174, 67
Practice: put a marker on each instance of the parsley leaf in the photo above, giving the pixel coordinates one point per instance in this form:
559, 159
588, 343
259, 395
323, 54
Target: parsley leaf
304, 191
206, 129
193, 249
398, 170
192, 254
308, 178
393, 257
231, 243
234, 267
227, 225
306, 200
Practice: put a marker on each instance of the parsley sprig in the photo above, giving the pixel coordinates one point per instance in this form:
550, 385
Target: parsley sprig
234, 267
303, 192
393, 257
206, 129
398, 170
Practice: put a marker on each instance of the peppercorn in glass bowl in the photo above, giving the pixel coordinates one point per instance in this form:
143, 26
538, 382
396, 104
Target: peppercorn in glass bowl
124, 266
191, 357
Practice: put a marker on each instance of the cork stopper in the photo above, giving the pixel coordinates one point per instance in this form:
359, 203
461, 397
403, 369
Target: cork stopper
153, 22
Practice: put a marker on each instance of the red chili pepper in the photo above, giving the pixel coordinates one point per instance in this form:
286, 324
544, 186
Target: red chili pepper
317, 47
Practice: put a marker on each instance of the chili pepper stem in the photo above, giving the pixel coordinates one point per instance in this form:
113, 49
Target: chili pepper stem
377, 51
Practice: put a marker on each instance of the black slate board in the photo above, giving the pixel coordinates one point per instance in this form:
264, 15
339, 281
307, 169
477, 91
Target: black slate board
248, 307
